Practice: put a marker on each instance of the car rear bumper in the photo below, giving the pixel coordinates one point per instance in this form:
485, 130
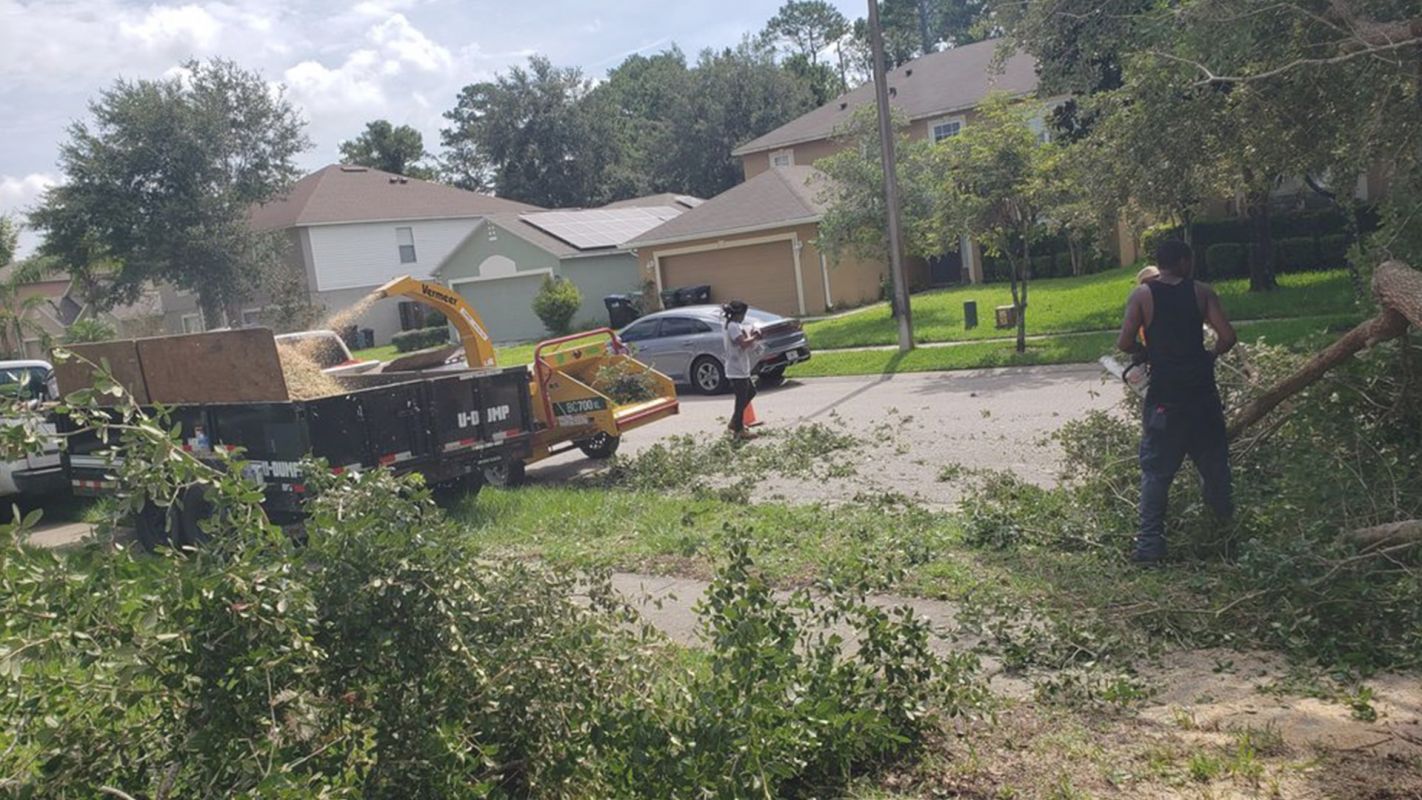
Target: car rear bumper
794, 355
46, 480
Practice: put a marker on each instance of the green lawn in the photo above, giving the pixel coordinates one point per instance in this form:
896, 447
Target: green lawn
1063, 305
1061, 349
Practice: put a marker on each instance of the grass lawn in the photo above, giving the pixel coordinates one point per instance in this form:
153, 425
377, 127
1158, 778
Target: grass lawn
1061, 349
1063, 305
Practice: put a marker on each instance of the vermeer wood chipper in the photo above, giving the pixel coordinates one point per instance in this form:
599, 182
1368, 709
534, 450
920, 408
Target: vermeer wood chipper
569, 411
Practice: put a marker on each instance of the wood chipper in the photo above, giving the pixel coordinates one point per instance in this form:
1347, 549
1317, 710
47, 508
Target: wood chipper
566, 382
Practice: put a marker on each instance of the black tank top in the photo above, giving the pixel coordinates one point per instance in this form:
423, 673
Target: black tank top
1180, 366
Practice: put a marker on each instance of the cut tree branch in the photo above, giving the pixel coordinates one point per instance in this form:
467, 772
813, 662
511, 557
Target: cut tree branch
1398, 290
1393, 533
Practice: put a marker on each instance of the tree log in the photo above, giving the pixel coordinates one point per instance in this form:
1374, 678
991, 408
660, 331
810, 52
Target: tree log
1398, 289
1391, 533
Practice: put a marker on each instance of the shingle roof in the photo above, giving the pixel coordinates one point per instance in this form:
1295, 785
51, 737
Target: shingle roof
663, 199
780, 195
342, 193
938, 83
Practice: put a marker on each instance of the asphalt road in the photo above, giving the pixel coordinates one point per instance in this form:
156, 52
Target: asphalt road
913, 425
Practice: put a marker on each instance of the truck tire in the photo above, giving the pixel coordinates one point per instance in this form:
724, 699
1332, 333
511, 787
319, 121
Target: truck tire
600, 446
506, 474
771, 378
708, 376
155, 526
460, 488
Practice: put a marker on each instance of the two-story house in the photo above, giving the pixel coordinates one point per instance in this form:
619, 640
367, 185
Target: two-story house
352, 228
757, 240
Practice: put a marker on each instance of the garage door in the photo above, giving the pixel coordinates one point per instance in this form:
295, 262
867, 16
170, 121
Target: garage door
506, 304
760, 274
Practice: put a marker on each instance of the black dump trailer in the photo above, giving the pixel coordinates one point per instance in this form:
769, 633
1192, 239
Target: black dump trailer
446, 426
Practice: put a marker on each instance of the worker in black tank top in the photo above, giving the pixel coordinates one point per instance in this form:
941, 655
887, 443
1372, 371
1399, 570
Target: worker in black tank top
1182, 415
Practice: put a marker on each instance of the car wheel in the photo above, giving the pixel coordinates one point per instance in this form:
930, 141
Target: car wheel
506, 474
771, 378
599, 446
707, 375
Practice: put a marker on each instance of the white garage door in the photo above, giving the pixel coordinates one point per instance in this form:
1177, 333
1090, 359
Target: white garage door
506, 304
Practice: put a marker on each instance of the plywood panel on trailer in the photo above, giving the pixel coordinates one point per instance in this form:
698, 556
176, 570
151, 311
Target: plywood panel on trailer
123, 364
240, 366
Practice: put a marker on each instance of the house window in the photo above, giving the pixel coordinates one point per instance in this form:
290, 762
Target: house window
405, 238
944, 129
192, 323
783, 158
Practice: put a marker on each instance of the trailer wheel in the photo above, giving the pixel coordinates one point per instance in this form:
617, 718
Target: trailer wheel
506, 474
599, 446
154, 526
194, 509
459, 488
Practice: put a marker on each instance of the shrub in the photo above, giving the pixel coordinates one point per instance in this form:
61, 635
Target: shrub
89, 330
1153, 235
1043, 266
420, 338
557, 301
1297, 254
1226, 260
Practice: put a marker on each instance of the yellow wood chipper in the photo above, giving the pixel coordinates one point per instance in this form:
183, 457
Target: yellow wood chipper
568, 408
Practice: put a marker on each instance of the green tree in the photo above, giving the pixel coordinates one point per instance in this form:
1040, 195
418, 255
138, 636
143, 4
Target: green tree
158, 184
18, 306
527, 136
736, 94
9, 238
913, 28
995, 184
387, 147
805, 29
643, 103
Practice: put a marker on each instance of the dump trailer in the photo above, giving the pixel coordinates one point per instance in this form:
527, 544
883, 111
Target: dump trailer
449, 427
569, 410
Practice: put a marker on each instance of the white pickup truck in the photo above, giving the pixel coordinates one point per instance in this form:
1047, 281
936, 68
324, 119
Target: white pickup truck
31, 382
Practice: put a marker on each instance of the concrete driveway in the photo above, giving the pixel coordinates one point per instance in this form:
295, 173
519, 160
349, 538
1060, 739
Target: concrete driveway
913, 425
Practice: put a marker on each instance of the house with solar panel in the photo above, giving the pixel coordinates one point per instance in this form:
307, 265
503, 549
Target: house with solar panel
500, 265
350, 229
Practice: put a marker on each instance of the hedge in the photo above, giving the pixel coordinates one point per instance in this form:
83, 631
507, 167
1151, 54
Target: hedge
1333, 250
419, 339
1297, 254
1226, 260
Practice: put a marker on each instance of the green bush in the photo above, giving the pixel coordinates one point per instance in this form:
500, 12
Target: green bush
387, 657
1043, 266
557, 301
420, 338
1226, 260
1153, 235
89, 330
1297, 254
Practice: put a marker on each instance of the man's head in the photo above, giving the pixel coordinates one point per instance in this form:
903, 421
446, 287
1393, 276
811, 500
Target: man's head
1175, 257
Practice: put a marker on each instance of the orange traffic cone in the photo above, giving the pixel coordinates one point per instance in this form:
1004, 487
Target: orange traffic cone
748, 418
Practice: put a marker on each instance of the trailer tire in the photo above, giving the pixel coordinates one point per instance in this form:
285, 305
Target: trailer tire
193, 509
460, 488
155, 526
506, 474
600, 446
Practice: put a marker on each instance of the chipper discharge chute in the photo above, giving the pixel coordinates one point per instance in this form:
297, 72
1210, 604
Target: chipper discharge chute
586, 389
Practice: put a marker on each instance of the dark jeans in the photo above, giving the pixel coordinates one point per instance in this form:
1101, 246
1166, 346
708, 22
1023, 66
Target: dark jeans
745, 392
1173, 431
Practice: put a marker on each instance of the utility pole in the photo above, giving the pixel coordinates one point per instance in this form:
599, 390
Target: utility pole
891, 182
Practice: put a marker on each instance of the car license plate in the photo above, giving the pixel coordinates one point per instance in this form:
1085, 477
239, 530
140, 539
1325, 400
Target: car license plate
792, 356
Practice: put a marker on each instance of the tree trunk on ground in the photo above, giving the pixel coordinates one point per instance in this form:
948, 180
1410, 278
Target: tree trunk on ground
1398, 289
1391, 533
1261, 255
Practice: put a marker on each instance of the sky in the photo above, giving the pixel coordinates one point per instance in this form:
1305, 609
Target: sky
343, 62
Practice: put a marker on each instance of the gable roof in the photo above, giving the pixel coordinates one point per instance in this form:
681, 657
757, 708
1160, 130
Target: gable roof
522, 225
778, 196
343, 193
663, 199
938, 83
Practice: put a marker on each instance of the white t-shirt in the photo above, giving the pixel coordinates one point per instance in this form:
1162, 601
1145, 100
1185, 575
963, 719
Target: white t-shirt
738, 359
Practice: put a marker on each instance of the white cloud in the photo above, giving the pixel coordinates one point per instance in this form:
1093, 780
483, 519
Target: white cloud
397, 37
17, 194
188, 29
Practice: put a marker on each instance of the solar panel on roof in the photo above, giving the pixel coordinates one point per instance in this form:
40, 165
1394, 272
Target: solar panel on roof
599, 227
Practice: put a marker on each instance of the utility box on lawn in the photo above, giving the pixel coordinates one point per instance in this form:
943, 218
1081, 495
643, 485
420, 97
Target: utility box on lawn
970, 314
1006, 316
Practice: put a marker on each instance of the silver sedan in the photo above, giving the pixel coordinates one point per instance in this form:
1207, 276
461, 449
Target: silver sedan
687, 345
